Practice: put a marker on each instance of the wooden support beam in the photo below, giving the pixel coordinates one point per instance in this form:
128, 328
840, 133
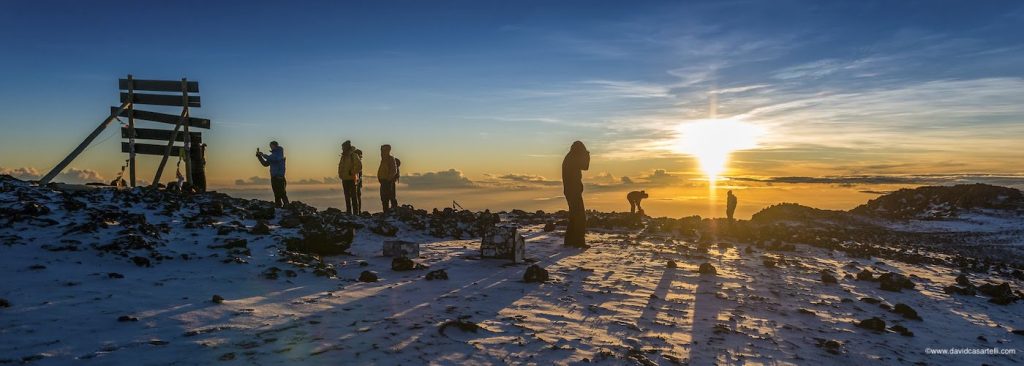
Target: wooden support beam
151, 149
161, 99
78, 150
164, 118
131, 132
170, 144
156, 85
155, 134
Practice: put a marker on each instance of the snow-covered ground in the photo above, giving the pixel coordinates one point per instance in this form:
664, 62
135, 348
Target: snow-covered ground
615, 303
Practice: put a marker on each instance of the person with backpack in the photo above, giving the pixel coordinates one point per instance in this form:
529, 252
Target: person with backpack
387, 175
348, 171
575, 162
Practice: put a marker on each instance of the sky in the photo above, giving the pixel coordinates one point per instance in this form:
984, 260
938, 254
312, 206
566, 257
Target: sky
822, 103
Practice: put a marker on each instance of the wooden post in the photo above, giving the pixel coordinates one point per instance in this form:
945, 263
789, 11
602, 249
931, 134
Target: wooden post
81, 147
170, 144
131, 131
188, 137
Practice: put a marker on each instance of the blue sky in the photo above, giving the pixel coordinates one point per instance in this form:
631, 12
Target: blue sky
495, 88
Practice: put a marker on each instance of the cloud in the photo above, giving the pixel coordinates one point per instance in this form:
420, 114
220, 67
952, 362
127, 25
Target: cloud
325, 180
252, 181
529, 178
450, 178
1010, 180
69, 175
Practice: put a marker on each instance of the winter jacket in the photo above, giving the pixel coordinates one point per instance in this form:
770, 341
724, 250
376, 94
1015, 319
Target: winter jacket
275, 161
573, 165
388, 170
349, 167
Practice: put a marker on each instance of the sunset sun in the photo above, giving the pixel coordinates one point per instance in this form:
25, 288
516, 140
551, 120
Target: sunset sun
711, 141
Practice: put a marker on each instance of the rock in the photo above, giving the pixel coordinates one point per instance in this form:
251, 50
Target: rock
749, 249
963, 281
405, 264
1000, 294
865, 275
231, 244
4, 303
875, 324
1019, 332
260, 228
115, 275
363, 263
954, 289
769, 262
805, 311
504, 242
707, 269
264, 213
227, 356
831, 346
368, 276
290, 222
211, 209
126, 318
384, 228
141, 261
903, 331
462, 324
437, 275
870, 300
672, 264
828, 278
401, 248
549, 227
894, 282
217, 299
271, 273
906, 311
322, 241
535, 273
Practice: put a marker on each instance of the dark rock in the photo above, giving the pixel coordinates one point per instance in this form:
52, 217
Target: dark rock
217, 299
672, 264
894, 282
963, 281
1000, 294
875, 324
211, 209
865, 275
535, 273
141, 261
749, 249
384, 228
405, 264
290, 273
368, 276
549, 227
707, 269
903, 331
231, 244
906, 311
828, 278
36, 267
363, 263
954, 289
831, 346
870, 300
271, 273
290, 222
769, 262
805, 311
264, 213
437, 275
4, 303
115, 275
260, 228
462, 324
323, 241
1019, 332
126, 318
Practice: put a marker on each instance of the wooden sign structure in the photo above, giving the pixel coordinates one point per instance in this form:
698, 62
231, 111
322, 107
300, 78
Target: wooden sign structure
129, 98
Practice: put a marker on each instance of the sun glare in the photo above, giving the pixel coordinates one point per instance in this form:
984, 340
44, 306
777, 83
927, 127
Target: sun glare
711, 141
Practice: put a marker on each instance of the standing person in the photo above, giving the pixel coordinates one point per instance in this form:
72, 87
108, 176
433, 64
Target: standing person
730, 205
387, 174
198, 160
275, 160
575, 162
348, 171
359, 182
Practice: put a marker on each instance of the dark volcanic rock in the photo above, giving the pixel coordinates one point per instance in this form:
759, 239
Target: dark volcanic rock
141, 261
384, 228
1000, 294
549, 227
4, 303
405, 264
126, 318
260, 228
368, 276
707, 269
672, 264
271, 273
865, 275
322, 241
903, 331
875, 324
115, 275
828, 278
894, 282
906, 311
217, 299
535, 273
437, 275
954, 289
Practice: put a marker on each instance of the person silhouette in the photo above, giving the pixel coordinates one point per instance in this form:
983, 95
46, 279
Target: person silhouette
275, 160
634, 199
730, 205
387, 175
575, 162
348, 171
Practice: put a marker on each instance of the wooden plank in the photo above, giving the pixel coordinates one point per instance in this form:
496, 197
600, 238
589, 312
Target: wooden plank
158, 99
155, 134
78, 150
156, 85
165, 118
150, 149
131, 129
